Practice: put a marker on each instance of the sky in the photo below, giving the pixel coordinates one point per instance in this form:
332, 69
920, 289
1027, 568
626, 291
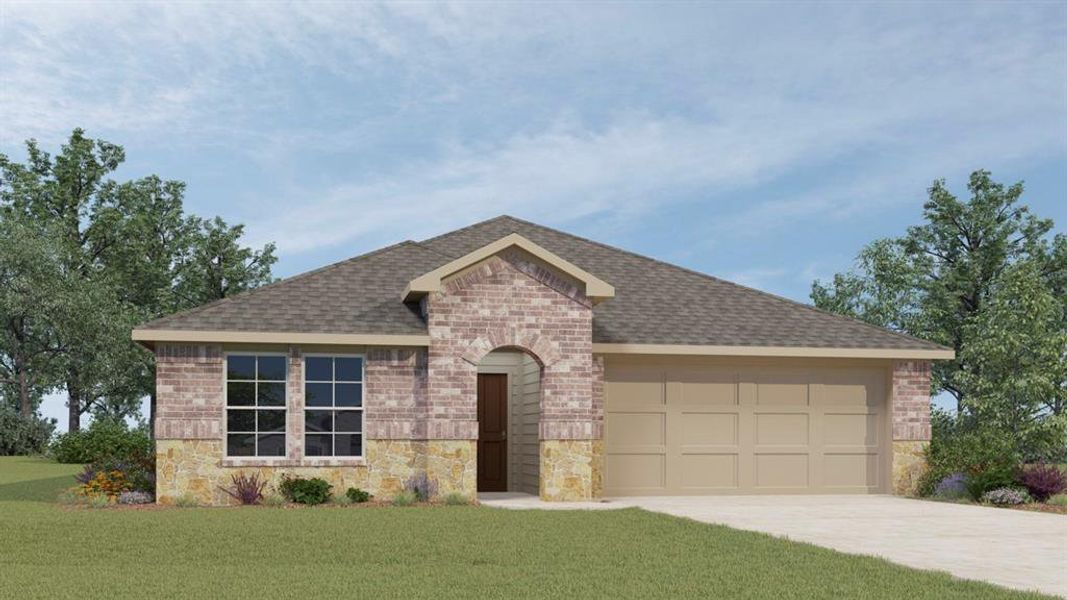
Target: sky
764, 143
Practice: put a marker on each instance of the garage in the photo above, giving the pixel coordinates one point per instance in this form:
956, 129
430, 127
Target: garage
702, 425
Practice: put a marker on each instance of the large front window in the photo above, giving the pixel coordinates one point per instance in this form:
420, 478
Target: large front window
333, 402
255, 405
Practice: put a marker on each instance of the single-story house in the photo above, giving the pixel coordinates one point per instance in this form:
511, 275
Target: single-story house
507, 356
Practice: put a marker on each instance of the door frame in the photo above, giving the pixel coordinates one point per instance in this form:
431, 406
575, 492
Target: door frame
507, 373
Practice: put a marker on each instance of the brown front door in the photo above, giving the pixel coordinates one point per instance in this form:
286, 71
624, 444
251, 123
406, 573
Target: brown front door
492, 432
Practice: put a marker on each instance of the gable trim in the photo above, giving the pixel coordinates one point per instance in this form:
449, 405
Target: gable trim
776, 351
596, 289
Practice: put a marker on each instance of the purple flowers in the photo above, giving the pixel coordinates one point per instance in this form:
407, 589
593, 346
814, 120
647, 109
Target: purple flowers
1005, 497
422, 486
954, 486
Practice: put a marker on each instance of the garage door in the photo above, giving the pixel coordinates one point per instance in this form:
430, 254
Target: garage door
720, 429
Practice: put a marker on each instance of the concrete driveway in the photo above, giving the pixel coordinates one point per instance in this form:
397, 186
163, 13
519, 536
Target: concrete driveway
1013, 548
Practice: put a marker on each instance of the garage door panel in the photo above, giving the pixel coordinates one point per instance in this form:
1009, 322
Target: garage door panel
637, 429
850, 470
782, 429
636, 472
783, 388
850, 429
708, 471
781, 470
708, 429
853, 387
707, 388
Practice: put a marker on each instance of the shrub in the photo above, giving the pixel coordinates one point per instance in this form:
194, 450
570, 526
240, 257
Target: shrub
273, 500
952, 487
23, 435
1058, 500
993, 478
100, 501
186, 501
357, 495
104, 440
456, 499
102, 483
1005, 496
135, 497
405, 498
305, 491
139, 476
1043, 480
421, 486
246, 489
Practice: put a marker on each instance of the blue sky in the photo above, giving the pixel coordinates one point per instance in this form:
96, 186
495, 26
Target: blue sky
763, 143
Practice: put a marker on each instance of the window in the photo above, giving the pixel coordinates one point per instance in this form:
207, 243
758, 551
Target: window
255, 405
333, 403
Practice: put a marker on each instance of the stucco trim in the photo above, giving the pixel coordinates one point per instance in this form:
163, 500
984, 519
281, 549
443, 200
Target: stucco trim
596, 289
776, 351
148, 337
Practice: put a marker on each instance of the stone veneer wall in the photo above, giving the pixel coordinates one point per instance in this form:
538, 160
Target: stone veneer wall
911, 423
511, 300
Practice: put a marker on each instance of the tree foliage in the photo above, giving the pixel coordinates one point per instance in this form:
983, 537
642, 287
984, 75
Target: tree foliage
94, 258
987, 278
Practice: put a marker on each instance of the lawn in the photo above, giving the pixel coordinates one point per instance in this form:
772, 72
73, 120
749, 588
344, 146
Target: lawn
49, 551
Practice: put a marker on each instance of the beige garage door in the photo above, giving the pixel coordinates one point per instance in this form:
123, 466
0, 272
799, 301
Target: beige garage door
714, 428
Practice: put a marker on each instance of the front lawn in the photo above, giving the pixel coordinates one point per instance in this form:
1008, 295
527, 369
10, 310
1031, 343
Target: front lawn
48, 551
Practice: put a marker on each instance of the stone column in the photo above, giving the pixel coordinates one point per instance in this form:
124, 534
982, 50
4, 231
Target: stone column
910, 411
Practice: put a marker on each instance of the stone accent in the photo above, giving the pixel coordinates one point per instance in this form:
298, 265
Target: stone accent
454, 465
598, 469
911, 424
909, 464
568, 470
510, 300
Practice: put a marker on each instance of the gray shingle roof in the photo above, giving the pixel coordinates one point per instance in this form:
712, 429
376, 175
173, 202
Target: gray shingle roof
655, 302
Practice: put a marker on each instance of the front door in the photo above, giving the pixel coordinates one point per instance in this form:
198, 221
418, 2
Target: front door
492, 432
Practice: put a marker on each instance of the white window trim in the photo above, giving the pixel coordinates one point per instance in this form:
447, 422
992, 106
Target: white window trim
362, 407
255, 458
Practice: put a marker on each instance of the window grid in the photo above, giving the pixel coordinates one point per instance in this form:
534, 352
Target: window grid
334, 427
256, 421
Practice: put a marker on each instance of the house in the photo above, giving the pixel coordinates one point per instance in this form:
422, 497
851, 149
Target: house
510, 356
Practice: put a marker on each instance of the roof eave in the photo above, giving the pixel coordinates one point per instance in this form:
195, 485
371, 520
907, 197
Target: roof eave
776, 351
149, 337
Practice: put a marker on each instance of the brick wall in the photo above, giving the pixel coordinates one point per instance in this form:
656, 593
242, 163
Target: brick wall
189, 399
911, 401
510, 300
396, 394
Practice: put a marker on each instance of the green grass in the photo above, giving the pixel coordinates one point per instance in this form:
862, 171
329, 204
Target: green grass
47, 551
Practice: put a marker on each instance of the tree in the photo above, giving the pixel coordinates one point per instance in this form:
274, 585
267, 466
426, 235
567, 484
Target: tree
33, 295
956, 279
132, 254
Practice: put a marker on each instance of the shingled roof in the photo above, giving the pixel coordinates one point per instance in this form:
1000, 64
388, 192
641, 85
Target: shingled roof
654, 303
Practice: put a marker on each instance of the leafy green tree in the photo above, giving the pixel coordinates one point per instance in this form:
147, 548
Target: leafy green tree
956, 279
34, 298
132, 254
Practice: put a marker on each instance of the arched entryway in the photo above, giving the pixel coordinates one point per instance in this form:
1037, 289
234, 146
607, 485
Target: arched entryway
509, 414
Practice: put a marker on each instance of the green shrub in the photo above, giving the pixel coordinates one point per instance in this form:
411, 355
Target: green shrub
357, 495
104, 440
993, 478
405, 498
456, 499
984, 456
1058, 500
23, 435
305, 491
186, 501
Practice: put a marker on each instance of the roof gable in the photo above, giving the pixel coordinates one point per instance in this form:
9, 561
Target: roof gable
594, 288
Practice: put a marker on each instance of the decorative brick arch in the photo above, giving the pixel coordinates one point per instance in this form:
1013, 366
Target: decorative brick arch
541, 348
